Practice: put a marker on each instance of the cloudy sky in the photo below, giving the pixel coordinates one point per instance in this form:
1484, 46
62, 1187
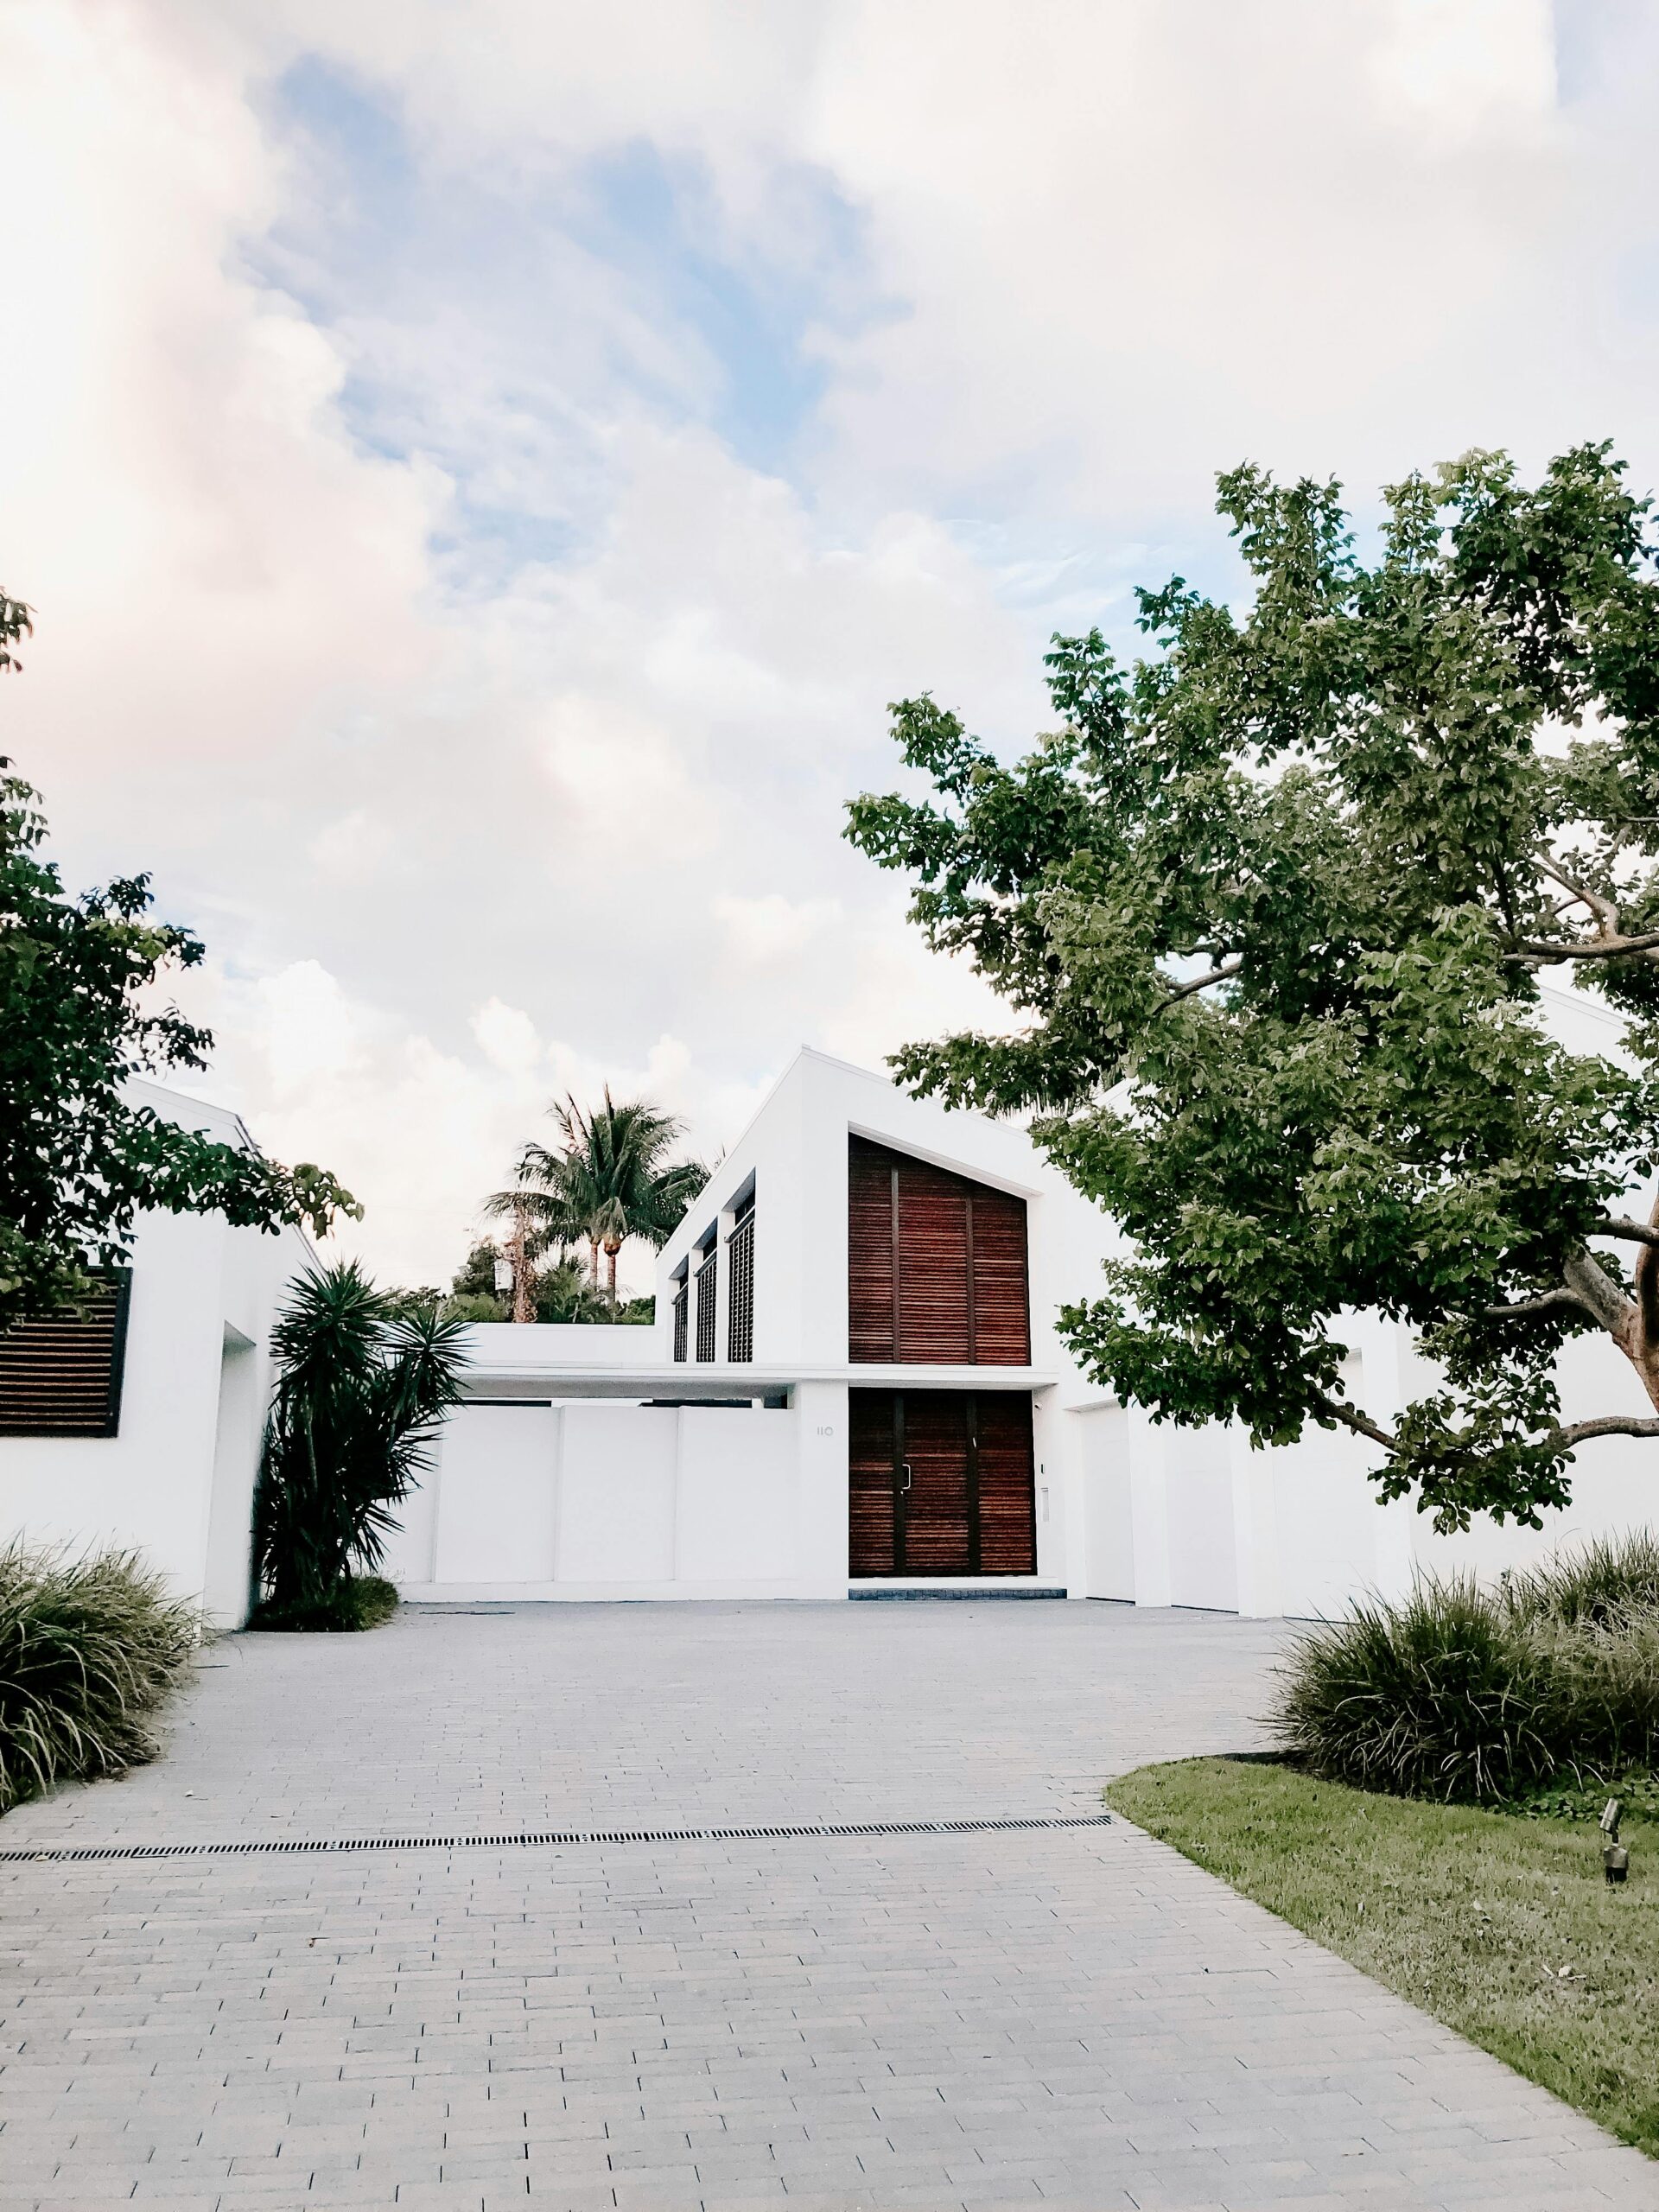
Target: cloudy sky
482, 468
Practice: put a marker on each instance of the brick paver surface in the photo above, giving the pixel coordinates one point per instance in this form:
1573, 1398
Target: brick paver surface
1072, 2017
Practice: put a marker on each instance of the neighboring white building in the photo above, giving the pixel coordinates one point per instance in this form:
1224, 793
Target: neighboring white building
146, 1433
768, 1437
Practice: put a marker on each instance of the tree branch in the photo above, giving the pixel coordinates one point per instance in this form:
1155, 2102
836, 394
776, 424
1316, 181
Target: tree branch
1549, 1300
1202, 982
1633, 1232
1350, 1417
1601, 906
1608, 1424
1597, 948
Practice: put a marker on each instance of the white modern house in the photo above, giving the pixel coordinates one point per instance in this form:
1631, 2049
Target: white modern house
139, 1425
854, 1388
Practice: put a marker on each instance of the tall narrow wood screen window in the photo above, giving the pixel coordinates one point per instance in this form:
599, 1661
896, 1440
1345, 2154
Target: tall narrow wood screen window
740, 1286
61, 1377
681, 1317
708, 1279
936, 1269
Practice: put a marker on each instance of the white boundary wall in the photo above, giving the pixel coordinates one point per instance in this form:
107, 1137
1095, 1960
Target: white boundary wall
595, 1498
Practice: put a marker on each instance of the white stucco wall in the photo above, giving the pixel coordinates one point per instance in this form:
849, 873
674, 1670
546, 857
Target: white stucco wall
599, 1499
175, 1482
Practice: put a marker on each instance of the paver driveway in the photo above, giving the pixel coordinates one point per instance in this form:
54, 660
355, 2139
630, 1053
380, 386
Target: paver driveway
1072, 2016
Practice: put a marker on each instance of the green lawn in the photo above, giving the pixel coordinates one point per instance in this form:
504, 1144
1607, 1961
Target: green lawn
1472, 1915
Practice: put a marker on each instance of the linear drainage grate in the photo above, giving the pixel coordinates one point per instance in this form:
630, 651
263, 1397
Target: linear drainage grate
532, 1839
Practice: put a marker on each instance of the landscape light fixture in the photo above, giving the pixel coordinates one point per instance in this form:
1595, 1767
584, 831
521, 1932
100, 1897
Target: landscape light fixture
1615, 1859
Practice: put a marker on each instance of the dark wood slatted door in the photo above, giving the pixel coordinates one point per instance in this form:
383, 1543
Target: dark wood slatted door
936, 1498
941, 1483
872, 1481
1007, 1482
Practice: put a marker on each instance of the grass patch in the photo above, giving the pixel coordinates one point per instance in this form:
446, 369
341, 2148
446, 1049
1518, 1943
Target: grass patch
89, 1649
363, 1601
1471, 1915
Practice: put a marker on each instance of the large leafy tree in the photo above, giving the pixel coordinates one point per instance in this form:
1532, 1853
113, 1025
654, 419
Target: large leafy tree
1272, 905
79, 1157
609, 1178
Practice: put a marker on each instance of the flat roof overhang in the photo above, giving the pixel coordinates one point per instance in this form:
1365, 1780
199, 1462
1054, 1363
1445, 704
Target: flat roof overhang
538, 1383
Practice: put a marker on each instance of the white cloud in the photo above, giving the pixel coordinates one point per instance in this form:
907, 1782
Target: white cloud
470, 818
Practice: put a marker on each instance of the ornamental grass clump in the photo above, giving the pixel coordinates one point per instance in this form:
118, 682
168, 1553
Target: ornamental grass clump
89, 1649
1477, 1697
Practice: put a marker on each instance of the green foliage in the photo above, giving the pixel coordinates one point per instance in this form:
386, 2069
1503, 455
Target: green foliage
89, 1648
1503, 1928
1270, 907
360, 1601
359, 1395
79, 1017
1472, 1697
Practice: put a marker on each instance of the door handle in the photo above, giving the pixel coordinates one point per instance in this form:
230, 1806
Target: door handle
904, 1469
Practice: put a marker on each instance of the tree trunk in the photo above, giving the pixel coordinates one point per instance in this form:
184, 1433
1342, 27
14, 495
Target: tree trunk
593, 1260
610, 1251
1633, 1324
523, 1307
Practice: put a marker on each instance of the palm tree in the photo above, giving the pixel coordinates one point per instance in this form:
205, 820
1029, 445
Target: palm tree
609, 1181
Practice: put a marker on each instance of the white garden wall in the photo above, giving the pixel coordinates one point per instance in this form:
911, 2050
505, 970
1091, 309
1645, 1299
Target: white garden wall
599, 1498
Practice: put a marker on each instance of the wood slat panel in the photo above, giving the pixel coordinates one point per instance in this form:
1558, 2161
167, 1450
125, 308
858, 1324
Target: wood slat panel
963, 1279
1007, 1492
1001, 1312
61, 1377
869, 1254
937, 1537
935, 1291
869, 1486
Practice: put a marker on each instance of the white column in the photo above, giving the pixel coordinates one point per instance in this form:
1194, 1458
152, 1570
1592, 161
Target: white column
1061, 1530
820, 1412
1256, 1528
1149, 1509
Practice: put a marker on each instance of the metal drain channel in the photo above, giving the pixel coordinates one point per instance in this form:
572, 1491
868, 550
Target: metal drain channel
531, 1839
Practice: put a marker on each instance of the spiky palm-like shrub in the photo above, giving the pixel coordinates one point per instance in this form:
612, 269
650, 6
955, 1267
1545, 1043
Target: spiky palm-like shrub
1460, 1694
360, 1392
89, 1648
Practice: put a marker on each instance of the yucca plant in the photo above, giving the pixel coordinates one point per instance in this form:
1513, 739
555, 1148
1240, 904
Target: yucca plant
89, 1648
360, 1392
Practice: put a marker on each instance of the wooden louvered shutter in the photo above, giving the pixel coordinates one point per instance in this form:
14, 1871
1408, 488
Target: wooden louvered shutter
61, 1376
935, 1290
937, 1265
1002, 1307
870, 1239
